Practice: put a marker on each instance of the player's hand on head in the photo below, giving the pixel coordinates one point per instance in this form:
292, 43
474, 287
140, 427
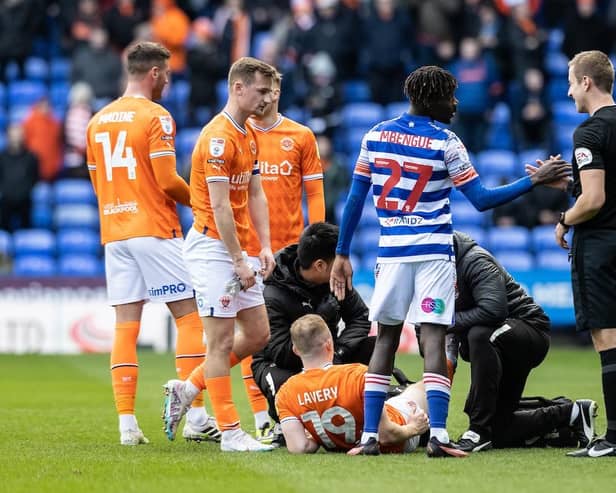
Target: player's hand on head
246, 273
341, 277
266, 257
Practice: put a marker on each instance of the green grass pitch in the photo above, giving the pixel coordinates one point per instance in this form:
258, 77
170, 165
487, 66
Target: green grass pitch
58, 433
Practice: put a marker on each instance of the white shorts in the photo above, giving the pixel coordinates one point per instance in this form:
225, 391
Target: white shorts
418, 292
406, 408
210, 267
146, 268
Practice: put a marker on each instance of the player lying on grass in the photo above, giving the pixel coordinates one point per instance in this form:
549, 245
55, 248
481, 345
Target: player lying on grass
323, 405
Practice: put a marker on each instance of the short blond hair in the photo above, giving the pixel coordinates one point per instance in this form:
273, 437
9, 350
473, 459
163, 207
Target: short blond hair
308, 334
596, 65
245, 69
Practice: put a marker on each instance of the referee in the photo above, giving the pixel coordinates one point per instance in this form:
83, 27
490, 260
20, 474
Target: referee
593, 217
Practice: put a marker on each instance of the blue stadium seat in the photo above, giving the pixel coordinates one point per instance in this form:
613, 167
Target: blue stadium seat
41, 216
58, 93
18, 113
4, 119
34, 266
557, 90
2, 141
477, 233
73, 191
34, 242
258, 40
78, 241
530, 156
499, 137
26, 92
75, 216
508, 238
2, 94
361, 115
564, 113
185, 141
181, 92
296, 113
394, 110
11, 72
36, 69
355, 91
515, 260
366, 239
542, 238
553, 260
222, 91
501, 114
76, 265
352, 142
499, 163
555, 40
464, 213
557, 64
60, 69
6, 243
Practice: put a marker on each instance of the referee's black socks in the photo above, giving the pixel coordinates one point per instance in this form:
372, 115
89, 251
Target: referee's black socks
608, 373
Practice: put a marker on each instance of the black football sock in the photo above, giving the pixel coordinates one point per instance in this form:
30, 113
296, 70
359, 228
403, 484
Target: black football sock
608, 373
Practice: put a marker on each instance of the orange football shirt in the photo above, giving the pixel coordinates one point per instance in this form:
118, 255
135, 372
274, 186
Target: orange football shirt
225, 152
124, 139
329, 402
288, 156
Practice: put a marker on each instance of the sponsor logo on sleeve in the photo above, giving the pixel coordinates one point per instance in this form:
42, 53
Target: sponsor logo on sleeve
217, 146
166, 123
583, 156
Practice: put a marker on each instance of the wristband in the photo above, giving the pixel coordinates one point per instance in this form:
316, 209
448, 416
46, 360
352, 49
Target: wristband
561, 220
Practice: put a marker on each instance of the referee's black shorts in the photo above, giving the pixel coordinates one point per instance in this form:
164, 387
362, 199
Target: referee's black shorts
593, 278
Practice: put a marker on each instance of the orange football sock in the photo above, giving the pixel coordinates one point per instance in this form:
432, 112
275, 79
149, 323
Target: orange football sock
258, 402
124, 366
197, 377
189, 348
225, 411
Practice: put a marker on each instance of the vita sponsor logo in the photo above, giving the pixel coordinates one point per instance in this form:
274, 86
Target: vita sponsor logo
430, 305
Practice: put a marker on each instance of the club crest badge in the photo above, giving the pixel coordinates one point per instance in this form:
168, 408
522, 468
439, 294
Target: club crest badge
217, 146
225, 301
167, 124
286, 144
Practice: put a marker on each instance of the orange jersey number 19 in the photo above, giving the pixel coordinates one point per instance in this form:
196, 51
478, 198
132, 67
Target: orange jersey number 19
336, 420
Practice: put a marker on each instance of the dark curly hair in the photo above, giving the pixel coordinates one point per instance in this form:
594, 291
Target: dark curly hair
428, 85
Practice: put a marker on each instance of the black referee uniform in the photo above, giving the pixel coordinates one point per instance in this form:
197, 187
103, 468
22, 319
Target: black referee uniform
593, 250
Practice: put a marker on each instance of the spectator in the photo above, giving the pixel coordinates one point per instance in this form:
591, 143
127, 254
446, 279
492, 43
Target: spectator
87, 18
171, 27
207, 65
531, 112
586, 29
43, 137
18, 174
478, 86
334, 33
336, 177
235, 27
19, 21
104, 75
75, 125
121, 21
324, 97
385, 47
435, 23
